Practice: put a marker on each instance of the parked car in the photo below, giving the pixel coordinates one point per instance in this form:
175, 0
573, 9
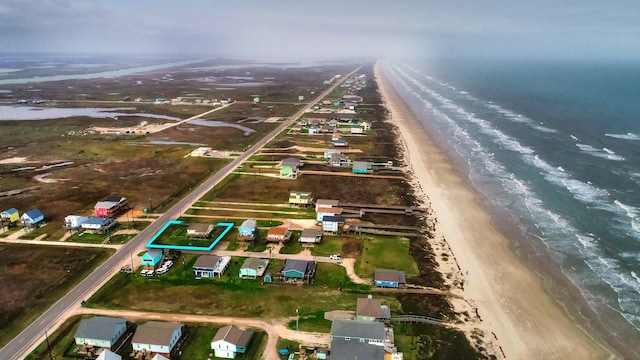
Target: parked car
144, 272
150, 272
334, 257
161, 270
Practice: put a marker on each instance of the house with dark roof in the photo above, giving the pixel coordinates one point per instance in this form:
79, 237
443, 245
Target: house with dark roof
101, 332
298, 269
321, 212
340, 143
200, 230
389, 278
370, 309
157, 337
253, 268
230, 341
355, 339
32, 217
332, 223
210, 266
310, 236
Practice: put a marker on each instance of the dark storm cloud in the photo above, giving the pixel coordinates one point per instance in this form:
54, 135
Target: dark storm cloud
301, 29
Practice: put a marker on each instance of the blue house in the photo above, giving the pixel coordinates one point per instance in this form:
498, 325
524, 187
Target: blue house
152, 258
32, 217
332, 223
389, 278
247, 230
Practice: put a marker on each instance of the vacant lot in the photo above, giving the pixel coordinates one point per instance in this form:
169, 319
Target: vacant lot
34, 277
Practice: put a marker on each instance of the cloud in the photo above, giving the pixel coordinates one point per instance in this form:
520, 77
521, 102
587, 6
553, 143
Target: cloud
331, 28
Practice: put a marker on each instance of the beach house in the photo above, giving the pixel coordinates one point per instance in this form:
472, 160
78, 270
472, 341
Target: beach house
100, 332
321, 212
98, 224
74, 221
247, 230
10, 216
230, 341
289, 168
298, 270
332, 223
370, 309
32, 217
310, 236
200, 230
361, 167
152, 258
278, 234
389, 278
210, 266
356, 339
253, 268
300, 198
157, 337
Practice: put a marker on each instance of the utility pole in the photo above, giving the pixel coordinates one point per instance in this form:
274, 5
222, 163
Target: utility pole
133, 270
297, 317
48, 344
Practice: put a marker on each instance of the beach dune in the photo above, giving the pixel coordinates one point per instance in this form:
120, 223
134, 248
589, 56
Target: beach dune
519, 319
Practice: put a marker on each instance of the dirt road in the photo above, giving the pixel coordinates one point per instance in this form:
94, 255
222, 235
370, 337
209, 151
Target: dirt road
274, 328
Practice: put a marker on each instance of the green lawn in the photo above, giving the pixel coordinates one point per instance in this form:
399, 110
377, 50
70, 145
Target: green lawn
328, 246
178, 291
176, 234
61, 341
388, 252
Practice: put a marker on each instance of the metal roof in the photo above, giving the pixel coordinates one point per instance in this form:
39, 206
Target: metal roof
233, 335
206, 261
155, 333
99, 327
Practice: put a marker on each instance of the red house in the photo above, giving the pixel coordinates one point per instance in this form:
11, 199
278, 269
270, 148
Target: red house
111, 206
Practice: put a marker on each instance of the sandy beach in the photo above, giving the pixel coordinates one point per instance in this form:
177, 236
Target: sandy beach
508, 303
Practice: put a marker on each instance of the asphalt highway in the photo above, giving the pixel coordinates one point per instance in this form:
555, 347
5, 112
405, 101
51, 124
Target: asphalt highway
34, 334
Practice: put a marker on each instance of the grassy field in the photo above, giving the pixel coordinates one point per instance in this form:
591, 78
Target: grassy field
34, 277
178, 291
388, 252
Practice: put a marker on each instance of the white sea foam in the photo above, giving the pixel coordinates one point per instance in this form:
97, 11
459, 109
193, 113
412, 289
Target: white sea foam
558, 233
600, 153
627, 136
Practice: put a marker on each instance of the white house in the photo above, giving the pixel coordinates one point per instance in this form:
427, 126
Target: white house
74, 221
100, 331
157, 337
230, 341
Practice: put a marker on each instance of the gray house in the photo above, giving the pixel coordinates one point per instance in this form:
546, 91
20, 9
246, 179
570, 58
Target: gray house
370, 309
100, 332
355, 339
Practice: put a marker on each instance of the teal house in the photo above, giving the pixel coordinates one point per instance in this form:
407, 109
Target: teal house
253, 268
152, 258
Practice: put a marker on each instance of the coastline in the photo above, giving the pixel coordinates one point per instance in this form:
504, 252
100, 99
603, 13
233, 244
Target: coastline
505, 299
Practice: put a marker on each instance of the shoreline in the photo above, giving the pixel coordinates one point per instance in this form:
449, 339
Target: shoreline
506, 300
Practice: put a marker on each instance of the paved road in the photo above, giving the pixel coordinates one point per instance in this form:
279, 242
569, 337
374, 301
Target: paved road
33, 334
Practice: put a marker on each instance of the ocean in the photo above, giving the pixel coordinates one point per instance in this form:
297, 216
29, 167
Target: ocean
553, 148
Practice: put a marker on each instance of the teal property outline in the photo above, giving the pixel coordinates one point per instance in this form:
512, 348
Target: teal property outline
151, 244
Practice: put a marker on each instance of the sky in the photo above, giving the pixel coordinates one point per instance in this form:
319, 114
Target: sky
301, 29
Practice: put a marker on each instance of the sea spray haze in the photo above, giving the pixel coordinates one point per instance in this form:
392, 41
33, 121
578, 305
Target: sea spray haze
556, 145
